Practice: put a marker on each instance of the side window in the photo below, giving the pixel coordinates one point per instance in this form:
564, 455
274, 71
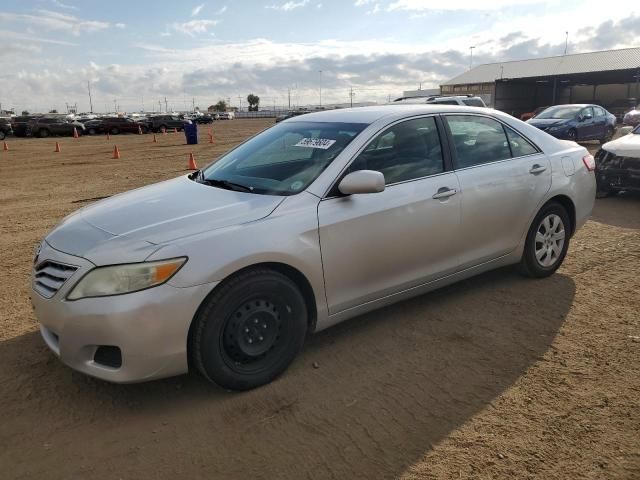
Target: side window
598, 111
403, 152
587, 111
477, 140
520, 146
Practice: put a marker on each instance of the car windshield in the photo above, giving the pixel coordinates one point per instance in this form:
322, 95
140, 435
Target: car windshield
282, 160
636, 130
562, 111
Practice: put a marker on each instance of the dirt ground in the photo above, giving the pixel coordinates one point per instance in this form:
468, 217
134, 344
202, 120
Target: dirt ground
496, 377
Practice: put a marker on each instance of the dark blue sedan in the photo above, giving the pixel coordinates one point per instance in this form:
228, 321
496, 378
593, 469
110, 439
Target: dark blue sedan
576, 122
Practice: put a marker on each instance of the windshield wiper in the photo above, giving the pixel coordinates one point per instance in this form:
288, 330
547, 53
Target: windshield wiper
226, 184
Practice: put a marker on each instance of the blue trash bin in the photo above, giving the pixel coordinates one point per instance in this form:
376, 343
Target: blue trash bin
191, 133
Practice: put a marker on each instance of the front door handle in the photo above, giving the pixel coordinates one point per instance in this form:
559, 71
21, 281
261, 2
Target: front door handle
444, 192
537, 169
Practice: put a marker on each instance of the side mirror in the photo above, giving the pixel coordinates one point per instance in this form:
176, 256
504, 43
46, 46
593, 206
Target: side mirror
362, 181
586, 116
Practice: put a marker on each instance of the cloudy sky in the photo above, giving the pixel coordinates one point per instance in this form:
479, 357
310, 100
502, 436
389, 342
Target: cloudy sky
136, 53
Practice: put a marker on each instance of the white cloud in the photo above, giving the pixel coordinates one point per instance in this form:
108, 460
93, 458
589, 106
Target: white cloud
222, 10
361, 3
120, 25
420, 5
193, 26
196, 11
33, 38
58, 3
291, 5
56, 21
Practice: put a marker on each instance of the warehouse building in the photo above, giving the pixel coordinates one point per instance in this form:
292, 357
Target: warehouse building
608, 78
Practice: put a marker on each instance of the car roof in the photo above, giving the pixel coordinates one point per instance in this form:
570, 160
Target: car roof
369, 115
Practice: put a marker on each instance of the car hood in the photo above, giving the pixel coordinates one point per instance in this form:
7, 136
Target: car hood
546, 122
130, 226
626, 146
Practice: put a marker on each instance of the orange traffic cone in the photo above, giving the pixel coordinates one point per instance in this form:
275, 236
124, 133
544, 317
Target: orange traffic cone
175, 130
75, 132
211, 138
192, 162
155, 140
5, 147
139, 130
58, 149
116, 152
108, 136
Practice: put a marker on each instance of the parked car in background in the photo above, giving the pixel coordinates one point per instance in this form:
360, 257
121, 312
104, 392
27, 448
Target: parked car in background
295, 113
534, 113
226, 115
313, 221
5, 128
117, 125
46, 126
618, 165
621, 106
203, 119
158, 123
20, 125
576, 122
464, 100
632, 117
93, 126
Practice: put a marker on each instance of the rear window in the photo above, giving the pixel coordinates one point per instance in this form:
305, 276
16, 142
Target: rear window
473, 102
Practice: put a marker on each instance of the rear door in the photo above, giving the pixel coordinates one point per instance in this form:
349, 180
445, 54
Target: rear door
587, 129
600, 122
503, 178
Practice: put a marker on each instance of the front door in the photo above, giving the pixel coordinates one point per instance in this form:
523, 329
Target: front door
587, 127
378, 244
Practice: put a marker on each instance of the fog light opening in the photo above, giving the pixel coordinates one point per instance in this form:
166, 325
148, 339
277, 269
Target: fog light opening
108, 356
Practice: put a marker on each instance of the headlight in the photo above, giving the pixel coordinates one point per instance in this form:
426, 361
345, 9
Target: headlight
119, 279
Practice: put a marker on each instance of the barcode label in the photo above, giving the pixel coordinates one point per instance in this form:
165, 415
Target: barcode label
322, 143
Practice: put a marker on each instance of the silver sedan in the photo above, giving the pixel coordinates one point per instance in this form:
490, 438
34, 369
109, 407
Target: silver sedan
315, 220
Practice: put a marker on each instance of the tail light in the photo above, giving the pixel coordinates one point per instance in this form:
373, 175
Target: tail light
589, 162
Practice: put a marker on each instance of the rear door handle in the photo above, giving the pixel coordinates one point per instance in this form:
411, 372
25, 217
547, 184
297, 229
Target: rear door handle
444, 192
537, 169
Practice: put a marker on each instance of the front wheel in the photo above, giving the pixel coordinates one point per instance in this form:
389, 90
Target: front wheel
547, 242
572, 135
249, 330
43, 133
2, 135
91, 131
115, 131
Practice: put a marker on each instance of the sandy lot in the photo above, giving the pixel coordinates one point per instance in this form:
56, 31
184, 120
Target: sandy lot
496, 377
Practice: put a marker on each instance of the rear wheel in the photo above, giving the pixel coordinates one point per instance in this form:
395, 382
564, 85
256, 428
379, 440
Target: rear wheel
572, 135
250, 330
43, 133
608, 135
115, 131
2, 135
91, 131
547, 241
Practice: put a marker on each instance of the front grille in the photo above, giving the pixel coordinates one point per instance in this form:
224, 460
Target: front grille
50, 276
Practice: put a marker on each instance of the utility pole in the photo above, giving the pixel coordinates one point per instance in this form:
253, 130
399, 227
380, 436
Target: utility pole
566, 42
193, 104
471, 56
351, 94
240, 102
159, 106
289, 97
115, 106
320, 87
143, 102
90, 101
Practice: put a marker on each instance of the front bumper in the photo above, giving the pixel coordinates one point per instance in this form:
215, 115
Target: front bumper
149, 327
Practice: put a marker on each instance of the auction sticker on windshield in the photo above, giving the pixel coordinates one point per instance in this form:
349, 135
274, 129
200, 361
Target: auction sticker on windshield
322, 143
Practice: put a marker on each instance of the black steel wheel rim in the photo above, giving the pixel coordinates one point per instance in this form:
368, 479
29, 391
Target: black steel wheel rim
253, 334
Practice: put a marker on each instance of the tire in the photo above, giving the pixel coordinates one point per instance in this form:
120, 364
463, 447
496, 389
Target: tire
91, 131
227, 343
543, 252
43, 133
608, 135
572, 135
2, 135
115, 131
